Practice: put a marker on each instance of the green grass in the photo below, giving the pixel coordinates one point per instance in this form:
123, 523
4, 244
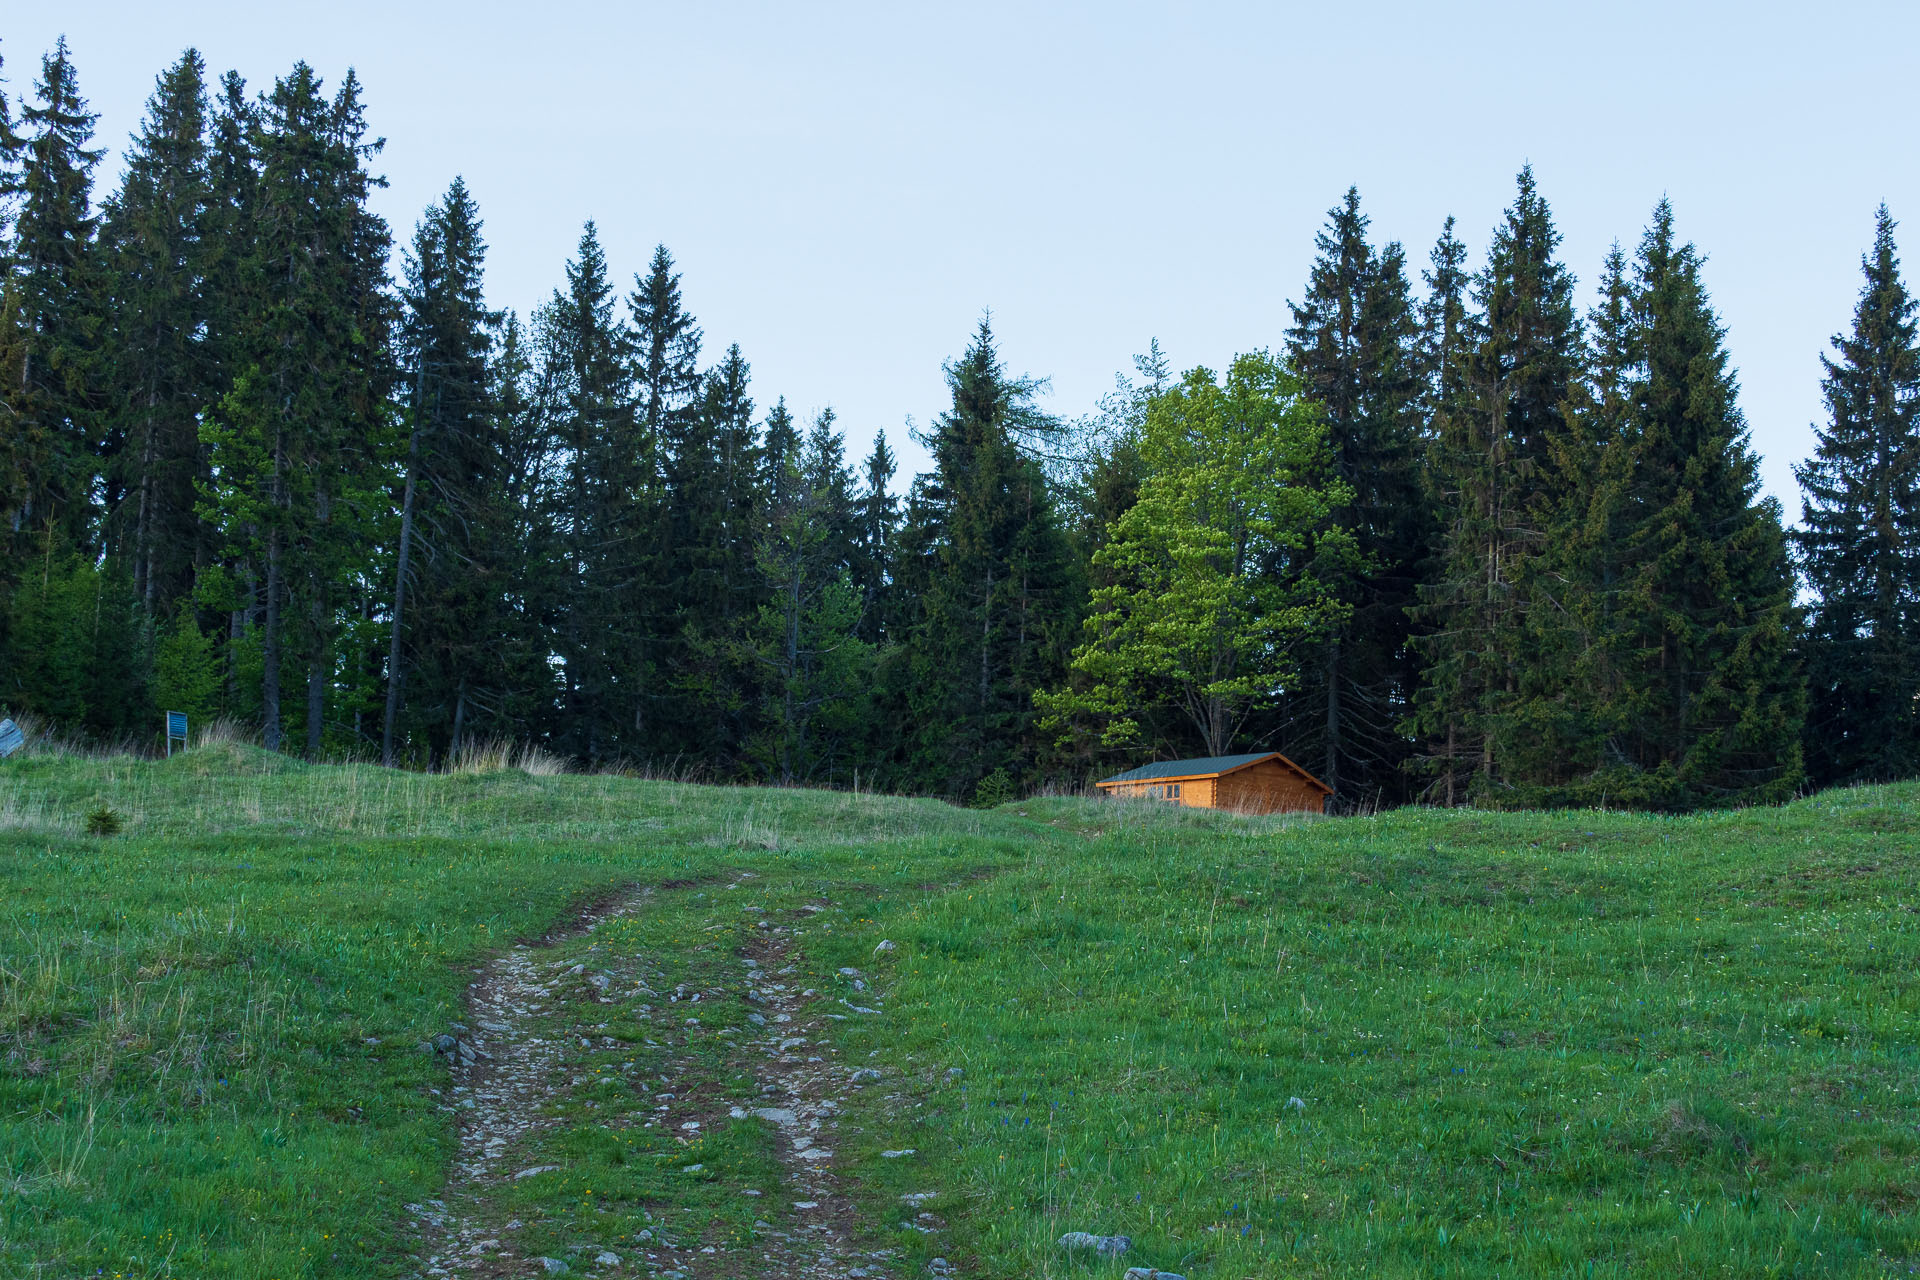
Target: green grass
1523, 1044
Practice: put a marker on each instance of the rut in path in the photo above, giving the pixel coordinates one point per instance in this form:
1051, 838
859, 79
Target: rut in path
505, 1094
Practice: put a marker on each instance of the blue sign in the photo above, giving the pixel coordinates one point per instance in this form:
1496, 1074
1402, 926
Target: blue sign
10, 738
177, 725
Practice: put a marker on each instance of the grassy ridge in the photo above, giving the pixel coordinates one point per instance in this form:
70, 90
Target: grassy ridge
1542, 1044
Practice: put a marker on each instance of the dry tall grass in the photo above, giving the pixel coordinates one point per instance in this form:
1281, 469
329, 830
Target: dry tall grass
498, 755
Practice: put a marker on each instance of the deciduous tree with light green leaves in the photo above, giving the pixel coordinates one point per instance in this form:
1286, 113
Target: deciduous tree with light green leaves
1216, 575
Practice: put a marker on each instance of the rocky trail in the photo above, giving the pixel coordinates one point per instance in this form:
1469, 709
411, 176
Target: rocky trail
579, 1043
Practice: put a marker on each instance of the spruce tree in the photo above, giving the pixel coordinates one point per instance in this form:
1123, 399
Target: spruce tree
1859, 540
996, 613
1657, 666
876, 527
302, 445
50, 332
12, 152
154, 241
816, 672
598, 440
1715, 701
446, 556
715, 509
523, 525
665, 354
1569, 699
1354, 345
1522, 355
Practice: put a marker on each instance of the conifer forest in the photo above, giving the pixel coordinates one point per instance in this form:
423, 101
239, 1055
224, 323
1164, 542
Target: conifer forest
1468, 530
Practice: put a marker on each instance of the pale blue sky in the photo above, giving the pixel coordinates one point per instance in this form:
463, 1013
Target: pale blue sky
846, 187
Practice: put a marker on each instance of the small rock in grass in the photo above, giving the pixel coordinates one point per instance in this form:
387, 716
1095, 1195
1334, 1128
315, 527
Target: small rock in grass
806, 1204
1148, 1273
864, 1075
1296, 1104
539, 1168
693, 1168
1105, 1246
554, 1266
954, 1073
882, 949
940, 1267
895, 1155
607, 1258
849, 973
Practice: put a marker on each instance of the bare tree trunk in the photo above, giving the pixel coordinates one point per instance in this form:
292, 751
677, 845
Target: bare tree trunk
270, 647
1333, 717
396, 672
143, 527
459, 719
316, 698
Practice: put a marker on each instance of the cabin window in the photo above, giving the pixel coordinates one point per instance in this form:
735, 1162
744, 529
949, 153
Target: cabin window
1176, 791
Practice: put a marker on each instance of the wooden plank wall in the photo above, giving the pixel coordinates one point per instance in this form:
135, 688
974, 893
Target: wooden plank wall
1268, 787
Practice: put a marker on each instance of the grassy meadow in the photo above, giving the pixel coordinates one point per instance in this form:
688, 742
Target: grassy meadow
1420, 1044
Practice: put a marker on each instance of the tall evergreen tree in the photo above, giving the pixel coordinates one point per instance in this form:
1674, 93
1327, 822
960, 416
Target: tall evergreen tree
1570, 688
1859, 540
715, 510
523, 526
816, 670
1708, 600
302, 444
50, 332
599, 441
1354, 345
664, 346
1522, 356
876, 526
446, 557
1661, 672
12, 149
162, 376
996, 581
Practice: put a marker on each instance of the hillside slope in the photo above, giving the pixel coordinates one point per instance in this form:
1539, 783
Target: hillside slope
1416, 1044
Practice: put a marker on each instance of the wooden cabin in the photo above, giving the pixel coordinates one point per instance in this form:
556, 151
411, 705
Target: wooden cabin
1264, 782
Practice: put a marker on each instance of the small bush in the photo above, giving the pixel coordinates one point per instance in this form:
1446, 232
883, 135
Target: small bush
104, 822
995, 789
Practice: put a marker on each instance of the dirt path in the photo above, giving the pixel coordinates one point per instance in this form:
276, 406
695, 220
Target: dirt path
503, 1077
516, 1073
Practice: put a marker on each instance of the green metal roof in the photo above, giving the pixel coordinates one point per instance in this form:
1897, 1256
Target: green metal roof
1192, 768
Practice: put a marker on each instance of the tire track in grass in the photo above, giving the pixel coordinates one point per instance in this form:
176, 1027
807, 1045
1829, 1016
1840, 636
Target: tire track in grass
502, 1080
803, 1092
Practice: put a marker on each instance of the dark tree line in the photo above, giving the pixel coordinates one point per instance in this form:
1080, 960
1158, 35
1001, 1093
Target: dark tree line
256, 464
